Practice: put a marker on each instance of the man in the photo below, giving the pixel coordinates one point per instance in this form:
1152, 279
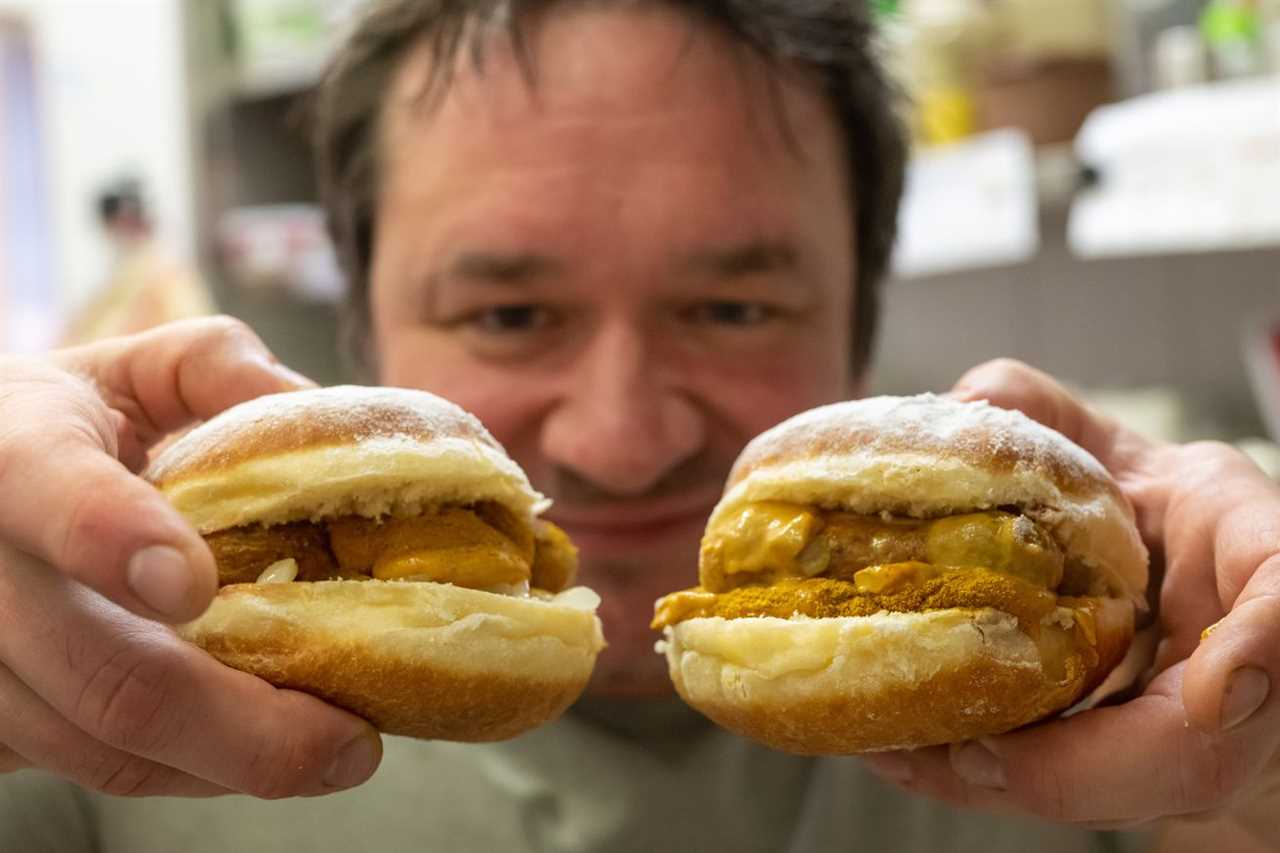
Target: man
628, 236
144, 288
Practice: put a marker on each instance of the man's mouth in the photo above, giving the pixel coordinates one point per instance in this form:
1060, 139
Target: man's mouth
618, 528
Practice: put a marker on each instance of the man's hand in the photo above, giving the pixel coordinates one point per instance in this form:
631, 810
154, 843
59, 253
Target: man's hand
1203, 738
93, 560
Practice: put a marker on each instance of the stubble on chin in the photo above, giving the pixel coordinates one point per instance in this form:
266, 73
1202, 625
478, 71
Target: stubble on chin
630, 667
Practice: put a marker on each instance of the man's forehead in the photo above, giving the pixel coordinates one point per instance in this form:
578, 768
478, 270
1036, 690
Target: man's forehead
594, 61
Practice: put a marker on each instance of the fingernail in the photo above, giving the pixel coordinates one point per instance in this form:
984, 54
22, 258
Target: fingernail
1247, 689
978, 765
893, 767
356, 761
162, 578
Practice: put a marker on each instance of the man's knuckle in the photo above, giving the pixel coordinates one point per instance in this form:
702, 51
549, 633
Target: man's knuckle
1209, 470
19, 439
1217, 454
121, 775
274, 772
228, 331
1209, 777
128, 701
284, 761
87, 523
1048, 792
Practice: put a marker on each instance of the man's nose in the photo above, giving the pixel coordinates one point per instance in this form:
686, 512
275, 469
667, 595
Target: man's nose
623, 421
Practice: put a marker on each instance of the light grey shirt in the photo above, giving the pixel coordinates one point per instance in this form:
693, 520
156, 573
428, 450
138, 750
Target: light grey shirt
597, 780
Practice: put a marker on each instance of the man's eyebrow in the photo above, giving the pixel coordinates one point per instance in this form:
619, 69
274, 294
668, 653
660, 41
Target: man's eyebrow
756, 256
499, 267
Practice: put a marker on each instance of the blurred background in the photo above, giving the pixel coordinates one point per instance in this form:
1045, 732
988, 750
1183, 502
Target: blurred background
1095, 189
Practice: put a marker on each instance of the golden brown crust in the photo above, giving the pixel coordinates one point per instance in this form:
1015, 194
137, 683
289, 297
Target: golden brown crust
899, 718
419, 659
414, 699
953, 675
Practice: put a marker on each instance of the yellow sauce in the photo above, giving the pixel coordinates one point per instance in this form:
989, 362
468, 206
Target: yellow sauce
450, 546
1000, 541
769, 541
780, 559
932, 589
764, 536
894, 577
555, 559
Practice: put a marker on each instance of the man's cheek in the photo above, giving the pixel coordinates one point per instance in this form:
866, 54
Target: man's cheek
420, 358
510, 406
759, 392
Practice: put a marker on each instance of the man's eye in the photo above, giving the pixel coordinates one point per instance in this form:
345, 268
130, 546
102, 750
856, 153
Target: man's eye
727, 313
512, 318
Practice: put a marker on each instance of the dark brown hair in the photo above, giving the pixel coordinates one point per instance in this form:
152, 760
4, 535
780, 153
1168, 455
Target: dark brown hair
832, 39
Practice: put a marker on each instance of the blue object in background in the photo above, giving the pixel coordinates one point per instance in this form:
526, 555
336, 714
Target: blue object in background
28, 297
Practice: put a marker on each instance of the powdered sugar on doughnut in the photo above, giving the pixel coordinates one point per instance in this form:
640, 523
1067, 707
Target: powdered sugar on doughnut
345, 414
286, 457
925, 421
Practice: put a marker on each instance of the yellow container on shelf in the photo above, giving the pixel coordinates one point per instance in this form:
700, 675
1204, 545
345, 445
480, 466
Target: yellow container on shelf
943, 55
946, 114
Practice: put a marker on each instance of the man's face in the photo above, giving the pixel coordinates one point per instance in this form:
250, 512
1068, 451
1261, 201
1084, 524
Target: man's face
626, 268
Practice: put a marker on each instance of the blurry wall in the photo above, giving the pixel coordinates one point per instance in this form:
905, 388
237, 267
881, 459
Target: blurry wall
1175, 321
